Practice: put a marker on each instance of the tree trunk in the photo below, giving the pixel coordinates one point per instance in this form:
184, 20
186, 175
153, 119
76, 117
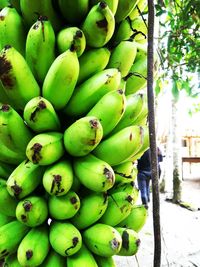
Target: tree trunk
177, 174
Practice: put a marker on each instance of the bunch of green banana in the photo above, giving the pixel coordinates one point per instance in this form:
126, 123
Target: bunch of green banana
71, 128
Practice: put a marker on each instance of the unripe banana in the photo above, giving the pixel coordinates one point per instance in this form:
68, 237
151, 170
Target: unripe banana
31, 10
61, 79
71, 36
95, 202
91, 62
123, 31
16, 5
93, 173
3, 96
9, 156
65, 238
84, 98
15, 76
82, 258
74, 11
4, 3
54, 260
130, 242
11, 235
83, 136
45, 148
4, 219
125, 172
105, 261
11, 261
24, 179
32, 211
119, 207
121, 62
58, 178
40, 115
124, 9
34, 247
40, 39
137, 77
109, 110
76, 184
120, 146
112, 4
12, 30
99, 25
136, 218
134, 105
6, 201
141, 5
102, 240
139, 28
64, 207
5, 170
10, 120
142, 116
129, 188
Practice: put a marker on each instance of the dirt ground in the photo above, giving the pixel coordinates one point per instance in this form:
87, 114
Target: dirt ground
180, 232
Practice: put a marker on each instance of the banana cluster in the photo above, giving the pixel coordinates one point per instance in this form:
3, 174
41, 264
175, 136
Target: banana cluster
73, 120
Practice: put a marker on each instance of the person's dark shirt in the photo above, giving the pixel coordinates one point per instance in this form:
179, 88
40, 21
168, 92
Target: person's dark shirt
144, 163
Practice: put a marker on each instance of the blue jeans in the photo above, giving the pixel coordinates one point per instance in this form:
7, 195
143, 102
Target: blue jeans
143, 184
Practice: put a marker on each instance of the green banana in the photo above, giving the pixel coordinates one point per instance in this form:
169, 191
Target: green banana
125, 172
61, 79
71, 36
99, 25
102, 240
65, 238
144, 146
40, 39
105, 261
112, 4
137, 77
54, 260
130, 241
16, 5
32, 211
84, 98
11, 261
124, 9
119, 207
64, 207
139, 28
134, 105
74, 11
76, 184
141, 5
4, 219
24, 179
120, 146
142, 116
34, 247
58, 178
40, 115
5, 170
9, 156
121, 62
83, 136
11, 235
15, 76
45, 148
123, 31
31, 11
129, 188
83, 258
10, 120
4, 3
6, 201
109, 110
91, 62
95, 202
3, 96
136, 219
12, 31
93, 173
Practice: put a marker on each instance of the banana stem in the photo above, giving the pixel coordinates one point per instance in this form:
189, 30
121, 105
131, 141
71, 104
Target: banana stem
152, 137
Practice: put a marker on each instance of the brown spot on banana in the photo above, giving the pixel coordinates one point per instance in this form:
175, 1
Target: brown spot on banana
108, 174
114, 244
36, 157
16, 189
5, 67
41, 105
29, 254
27, 205
125, 240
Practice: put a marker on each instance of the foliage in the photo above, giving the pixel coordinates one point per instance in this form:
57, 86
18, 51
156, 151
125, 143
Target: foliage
179, 42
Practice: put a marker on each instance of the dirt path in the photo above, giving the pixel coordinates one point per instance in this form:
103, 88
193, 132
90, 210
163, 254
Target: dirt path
180, 230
